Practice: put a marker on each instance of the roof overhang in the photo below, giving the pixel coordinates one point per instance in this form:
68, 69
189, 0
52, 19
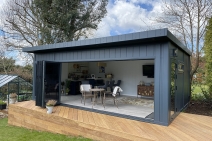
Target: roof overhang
159, 35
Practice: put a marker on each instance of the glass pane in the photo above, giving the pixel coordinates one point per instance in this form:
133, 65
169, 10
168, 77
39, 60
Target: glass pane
51, 81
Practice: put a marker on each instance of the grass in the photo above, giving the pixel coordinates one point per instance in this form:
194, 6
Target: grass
13, 133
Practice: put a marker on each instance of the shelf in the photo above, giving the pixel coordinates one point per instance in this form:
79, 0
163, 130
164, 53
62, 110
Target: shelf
147, 91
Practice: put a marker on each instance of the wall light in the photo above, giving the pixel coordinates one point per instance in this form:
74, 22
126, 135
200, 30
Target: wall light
175, 51
180, 67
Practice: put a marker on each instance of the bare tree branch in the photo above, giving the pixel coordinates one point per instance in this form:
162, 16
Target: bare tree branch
188, 20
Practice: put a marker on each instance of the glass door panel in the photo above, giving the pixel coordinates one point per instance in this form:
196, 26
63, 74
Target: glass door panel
52, 81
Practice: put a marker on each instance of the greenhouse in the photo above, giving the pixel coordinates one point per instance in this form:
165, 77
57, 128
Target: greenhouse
15, 84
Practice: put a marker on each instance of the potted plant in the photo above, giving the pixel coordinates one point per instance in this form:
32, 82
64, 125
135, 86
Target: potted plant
50, 105
67, 91
3, 105
13, 98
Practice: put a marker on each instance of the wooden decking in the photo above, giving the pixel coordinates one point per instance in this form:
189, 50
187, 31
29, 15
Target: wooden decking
97, 126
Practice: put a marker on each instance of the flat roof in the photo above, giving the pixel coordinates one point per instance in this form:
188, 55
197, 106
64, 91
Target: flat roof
157, 35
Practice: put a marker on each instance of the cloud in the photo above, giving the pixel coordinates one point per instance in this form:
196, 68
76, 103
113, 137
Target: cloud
2, 3
126, 16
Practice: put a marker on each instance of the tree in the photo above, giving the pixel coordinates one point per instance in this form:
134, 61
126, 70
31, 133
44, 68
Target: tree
37, 22
19, 26
6, 64
188, 19
68, 20
208, 55
26, 23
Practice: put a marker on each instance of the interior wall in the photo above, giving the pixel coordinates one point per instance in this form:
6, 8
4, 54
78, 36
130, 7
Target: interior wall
64, 72
94, 69
129, 72
68, 68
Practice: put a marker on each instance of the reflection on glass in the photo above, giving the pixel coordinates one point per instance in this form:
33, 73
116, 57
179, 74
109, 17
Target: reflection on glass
173, 74
51, 81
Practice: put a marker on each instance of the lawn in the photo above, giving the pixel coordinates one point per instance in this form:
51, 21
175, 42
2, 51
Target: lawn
12, 133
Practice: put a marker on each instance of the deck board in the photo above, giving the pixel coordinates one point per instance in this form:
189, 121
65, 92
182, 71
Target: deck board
98, 126
75, 114
66, 112
62, 111
90, 117
80, 117
85, 117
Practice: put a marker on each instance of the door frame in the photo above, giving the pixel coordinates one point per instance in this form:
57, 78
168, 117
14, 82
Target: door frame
40, 89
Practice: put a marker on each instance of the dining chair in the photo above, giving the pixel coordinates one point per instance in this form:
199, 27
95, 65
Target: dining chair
104, 86
111, 85
112, 95
85, 90
118, 84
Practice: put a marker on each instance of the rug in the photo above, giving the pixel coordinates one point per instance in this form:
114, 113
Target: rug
136, 101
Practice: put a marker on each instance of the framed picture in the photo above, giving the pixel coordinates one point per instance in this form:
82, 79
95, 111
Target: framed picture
101, 69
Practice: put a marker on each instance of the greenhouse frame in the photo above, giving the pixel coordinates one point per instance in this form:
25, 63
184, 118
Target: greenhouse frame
15, 84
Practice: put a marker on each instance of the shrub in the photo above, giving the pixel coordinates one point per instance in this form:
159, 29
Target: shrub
2, 102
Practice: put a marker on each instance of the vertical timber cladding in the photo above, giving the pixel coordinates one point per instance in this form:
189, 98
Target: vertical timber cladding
133, 52
162, 82
157, 51
187, 80
183, 79
179, 83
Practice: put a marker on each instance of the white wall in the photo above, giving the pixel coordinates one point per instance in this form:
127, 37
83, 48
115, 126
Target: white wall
94, 69
129, 72
64, 72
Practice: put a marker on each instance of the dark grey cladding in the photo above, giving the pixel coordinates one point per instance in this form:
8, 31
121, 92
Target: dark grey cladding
125, 39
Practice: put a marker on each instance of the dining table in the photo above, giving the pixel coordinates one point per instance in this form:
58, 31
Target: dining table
95, 93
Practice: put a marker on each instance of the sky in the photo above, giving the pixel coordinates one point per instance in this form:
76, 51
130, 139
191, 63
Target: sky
123, 16
127, 16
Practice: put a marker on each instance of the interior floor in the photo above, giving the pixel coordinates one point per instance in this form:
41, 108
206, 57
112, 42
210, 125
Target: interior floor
131, 106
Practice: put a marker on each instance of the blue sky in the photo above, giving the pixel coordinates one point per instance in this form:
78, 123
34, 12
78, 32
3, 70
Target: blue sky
1, 32
127, 16
123, 16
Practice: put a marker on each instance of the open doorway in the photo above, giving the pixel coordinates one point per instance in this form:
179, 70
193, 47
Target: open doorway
137, 83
